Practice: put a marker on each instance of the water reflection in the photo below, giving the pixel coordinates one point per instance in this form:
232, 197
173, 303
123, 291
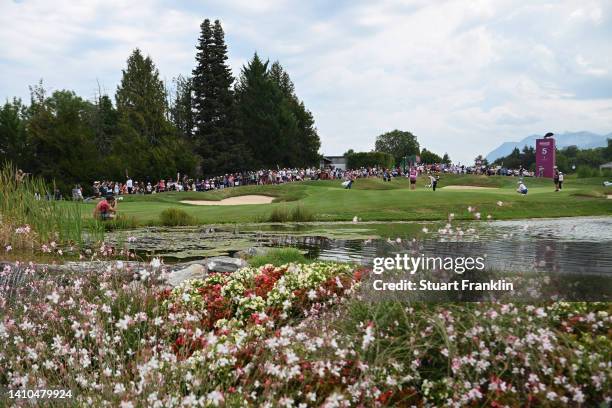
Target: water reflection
567, 245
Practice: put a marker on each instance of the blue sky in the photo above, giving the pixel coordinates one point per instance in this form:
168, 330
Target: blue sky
462, 75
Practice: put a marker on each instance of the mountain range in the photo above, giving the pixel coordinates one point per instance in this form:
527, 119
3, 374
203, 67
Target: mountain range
584, 140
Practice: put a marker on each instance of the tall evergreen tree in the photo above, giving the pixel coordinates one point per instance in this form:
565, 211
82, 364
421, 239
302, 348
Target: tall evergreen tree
305, 147
219, 139
141, 98
263, 118
148, 144
104, 121
181, 111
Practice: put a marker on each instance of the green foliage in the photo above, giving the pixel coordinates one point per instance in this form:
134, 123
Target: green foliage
65, 138
61, 141
298, 213
279, 214
397, 143
121, 222
369, 159
428, 157
278, 257
218, 137
279, 130
586, 172
148, 145
20, 206
173, 217
13, 120
181, 109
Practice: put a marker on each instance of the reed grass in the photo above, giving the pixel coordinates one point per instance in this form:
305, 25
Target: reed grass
23, 203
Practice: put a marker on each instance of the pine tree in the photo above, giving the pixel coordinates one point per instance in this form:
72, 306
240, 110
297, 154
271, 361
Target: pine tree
305, 146
181, 111
259, 105
219, 140
148, 145
104, 121
141, 99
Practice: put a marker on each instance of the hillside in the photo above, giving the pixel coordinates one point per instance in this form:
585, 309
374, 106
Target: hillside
584, 140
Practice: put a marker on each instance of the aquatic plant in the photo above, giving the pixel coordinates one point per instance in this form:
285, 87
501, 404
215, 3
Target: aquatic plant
28, 208
173, 217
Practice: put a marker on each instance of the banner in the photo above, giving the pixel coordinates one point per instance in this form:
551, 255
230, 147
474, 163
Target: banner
545, 157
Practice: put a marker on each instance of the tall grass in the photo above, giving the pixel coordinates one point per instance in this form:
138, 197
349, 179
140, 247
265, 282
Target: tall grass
298, 213
48, 219
173, 217
278, 257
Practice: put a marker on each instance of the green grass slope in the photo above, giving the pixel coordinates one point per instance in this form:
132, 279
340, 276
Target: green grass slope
374, 200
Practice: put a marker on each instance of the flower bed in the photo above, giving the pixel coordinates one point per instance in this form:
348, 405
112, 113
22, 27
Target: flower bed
296, 335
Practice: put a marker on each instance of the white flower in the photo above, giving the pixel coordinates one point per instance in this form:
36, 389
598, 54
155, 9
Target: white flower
123, 323
578, 396
144, 274
119, 389
54, 297
368, 337
215, 398
155, 263
119, 265
355, 219
499, 203
425, 230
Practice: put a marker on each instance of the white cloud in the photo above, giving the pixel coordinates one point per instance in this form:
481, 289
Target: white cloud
463, 75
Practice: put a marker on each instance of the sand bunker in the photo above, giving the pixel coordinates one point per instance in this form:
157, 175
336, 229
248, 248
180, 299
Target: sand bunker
469, 188
240, 200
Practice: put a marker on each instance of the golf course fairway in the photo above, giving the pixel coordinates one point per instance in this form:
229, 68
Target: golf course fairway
372, 199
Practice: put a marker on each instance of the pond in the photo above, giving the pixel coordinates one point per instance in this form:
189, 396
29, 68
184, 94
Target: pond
565, 245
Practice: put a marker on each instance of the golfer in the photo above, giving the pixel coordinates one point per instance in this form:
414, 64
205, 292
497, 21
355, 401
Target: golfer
434, 181
106, 209
522, 188
413, 178
560, 183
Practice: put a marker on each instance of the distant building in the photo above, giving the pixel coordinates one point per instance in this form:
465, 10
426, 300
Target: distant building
336, 162
606, 166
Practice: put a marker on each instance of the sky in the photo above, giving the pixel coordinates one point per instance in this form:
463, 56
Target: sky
463, 75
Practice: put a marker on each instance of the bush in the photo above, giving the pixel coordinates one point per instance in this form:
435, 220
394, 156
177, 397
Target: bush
586, 172
369, 159
173, 217
278, 257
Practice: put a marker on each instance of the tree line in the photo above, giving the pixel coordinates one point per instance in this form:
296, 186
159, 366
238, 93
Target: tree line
210, 124
567, 159
391, 149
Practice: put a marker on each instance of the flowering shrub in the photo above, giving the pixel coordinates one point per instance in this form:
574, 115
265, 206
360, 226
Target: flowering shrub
296, 335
